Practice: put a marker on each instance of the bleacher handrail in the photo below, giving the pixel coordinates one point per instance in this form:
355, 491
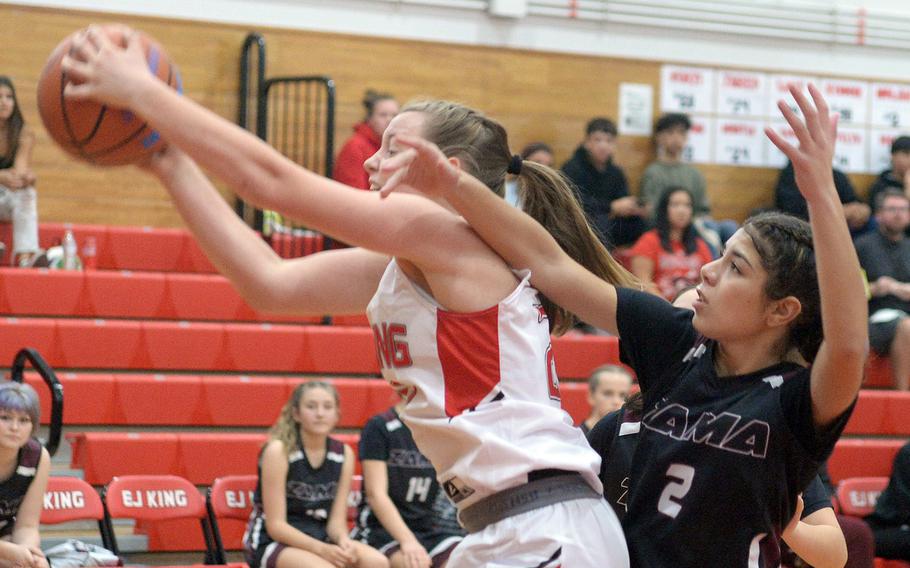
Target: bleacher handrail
55, 429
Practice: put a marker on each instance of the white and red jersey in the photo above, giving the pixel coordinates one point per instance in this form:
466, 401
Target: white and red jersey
481, 391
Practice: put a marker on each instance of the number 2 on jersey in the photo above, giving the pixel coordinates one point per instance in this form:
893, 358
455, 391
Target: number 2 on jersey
680, 483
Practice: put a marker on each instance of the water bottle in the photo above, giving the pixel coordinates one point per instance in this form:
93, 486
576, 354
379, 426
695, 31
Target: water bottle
70, 251
90, 253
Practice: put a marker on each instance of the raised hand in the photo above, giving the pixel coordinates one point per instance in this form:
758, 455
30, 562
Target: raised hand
422, 167
817, 134
105, 72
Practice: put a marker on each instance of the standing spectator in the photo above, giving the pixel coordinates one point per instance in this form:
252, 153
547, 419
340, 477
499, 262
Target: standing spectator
891, 520
608, 388
538, 152
381, 108
788, 199
602, 187
668, 258
399, 517
671, 132
18, 200
885, 256
898, 177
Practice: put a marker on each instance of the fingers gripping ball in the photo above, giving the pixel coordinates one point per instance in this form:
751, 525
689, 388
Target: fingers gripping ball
94, 132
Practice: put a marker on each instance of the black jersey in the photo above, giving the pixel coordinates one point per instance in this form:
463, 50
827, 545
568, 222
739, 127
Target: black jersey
310, 493
13, 490
412, 480
615, 437
720, 460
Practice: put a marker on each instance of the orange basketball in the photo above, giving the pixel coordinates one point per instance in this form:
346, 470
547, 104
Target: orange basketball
94, 132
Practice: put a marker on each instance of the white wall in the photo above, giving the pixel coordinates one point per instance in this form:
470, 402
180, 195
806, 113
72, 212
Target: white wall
534, 32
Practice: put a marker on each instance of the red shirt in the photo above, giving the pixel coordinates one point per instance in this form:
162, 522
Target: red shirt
675, 270
349, 163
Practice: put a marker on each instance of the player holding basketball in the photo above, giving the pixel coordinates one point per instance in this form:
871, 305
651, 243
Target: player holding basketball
735, 425
464, 338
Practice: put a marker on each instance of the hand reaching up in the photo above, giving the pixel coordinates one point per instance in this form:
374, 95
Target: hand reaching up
817, 134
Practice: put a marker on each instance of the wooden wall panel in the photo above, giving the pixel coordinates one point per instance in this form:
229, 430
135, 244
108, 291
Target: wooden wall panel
538, 96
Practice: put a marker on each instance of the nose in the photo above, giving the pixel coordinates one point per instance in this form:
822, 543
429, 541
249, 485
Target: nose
371, 165
709, 272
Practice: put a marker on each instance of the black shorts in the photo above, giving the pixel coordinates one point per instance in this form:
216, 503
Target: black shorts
439, 545
266, 556
882, 334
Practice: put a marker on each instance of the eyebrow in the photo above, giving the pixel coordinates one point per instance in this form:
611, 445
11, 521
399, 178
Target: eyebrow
741, 256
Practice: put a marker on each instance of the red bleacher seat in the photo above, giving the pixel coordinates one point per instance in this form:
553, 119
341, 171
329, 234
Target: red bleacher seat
42, 292
193, 259
50, 234
358, 319
159, 399
857, 495
151, 499
878, 372
90, 398
863, 458
884, 563
575, 400
146, 248
360, 399
206, 456
16, 333
242, 400
577, 356
229, 502
881, 412
115, 294
104, 455
276, 347
204, 297
185, 345
92, 344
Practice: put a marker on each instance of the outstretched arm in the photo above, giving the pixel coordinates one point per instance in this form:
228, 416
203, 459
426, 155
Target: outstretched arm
816, 538
837, 372
407, 226
520, 240
303, 286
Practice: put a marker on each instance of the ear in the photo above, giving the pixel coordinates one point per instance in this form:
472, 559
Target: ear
455, 162
782, 312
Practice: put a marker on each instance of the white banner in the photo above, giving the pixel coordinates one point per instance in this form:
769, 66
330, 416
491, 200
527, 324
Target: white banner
880, 149
849, 99
739, 142
890, 105
636, 103
742, 93
850, 152
780, 91
774, 158
686, 89
698, 149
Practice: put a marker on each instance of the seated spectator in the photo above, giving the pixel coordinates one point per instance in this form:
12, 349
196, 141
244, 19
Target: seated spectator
608, 388
885, 256
18, 200
399, 516
669, 258
602, 187
26, 464
890, 522
300, 505
788, 199
534, 152
381, 108
671, 132
898, 177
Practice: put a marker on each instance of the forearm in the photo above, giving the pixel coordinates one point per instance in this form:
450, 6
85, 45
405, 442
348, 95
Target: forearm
821, 546
387, 513
843, 303
337, 529
515, 236
27, 536
234, 248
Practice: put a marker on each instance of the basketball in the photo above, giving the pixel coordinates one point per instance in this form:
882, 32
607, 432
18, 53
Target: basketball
94, 132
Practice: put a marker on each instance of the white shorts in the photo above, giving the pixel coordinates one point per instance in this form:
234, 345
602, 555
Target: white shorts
573, 534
